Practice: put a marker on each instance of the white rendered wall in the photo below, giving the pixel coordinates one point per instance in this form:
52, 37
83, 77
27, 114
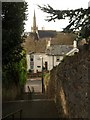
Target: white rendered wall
28, 61
51, 61
38, 61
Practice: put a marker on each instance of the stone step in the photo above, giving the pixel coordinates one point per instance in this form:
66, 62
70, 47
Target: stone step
29, 96
43, 108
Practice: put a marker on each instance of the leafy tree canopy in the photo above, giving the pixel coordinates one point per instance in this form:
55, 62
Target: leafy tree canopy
12, 28
13, 59
79, 19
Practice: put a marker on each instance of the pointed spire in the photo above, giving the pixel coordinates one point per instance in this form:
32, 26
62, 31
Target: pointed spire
34, 20
34, 27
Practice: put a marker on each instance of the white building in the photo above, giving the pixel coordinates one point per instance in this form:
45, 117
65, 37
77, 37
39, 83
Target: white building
50, 58
52, 54
74, 50
37, 60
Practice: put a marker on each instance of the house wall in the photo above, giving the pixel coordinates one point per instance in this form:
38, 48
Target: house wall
28, 61
38, 62
51, 61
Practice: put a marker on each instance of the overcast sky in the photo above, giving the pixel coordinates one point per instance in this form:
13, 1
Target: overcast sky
56, 4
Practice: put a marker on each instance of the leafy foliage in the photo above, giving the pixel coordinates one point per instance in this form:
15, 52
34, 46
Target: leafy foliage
12, 29
22, 70
79, 19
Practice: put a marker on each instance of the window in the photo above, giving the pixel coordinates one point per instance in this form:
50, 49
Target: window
31, 59
57, 58
31, 67
38, 66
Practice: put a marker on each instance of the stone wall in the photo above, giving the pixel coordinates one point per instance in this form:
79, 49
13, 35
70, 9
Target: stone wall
69, 84
11, 93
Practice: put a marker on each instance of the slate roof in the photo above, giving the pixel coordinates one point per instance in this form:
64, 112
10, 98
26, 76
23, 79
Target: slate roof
58, 49
46, 33
43, 34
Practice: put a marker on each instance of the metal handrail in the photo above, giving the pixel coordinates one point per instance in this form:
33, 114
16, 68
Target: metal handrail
13, 115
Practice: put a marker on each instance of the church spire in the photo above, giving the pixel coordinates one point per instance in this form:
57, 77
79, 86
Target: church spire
34, 27
34, 20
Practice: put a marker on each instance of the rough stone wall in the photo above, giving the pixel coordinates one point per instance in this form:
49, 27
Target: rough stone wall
51, 84
69, 84
10, 93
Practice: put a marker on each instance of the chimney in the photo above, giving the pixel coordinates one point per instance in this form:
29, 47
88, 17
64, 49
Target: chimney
75, 44
43, 28
48, 43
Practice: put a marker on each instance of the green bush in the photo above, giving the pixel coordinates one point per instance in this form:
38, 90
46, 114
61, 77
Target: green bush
14, 76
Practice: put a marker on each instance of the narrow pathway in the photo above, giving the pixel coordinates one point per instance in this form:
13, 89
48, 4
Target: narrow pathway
38, 107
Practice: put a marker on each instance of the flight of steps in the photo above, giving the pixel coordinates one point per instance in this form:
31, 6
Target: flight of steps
31, 96
35, 105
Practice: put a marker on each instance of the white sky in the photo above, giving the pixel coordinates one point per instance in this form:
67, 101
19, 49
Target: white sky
56, 4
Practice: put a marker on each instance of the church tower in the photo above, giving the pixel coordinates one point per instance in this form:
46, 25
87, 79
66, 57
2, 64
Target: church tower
34, 28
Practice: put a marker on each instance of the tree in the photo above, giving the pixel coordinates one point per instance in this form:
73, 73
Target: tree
12, 29
79, 19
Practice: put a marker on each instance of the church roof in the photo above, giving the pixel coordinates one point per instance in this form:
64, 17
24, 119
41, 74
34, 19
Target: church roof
43, 34
47, 33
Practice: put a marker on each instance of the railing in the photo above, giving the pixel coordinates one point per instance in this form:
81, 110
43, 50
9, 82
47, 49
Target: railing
12, 115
